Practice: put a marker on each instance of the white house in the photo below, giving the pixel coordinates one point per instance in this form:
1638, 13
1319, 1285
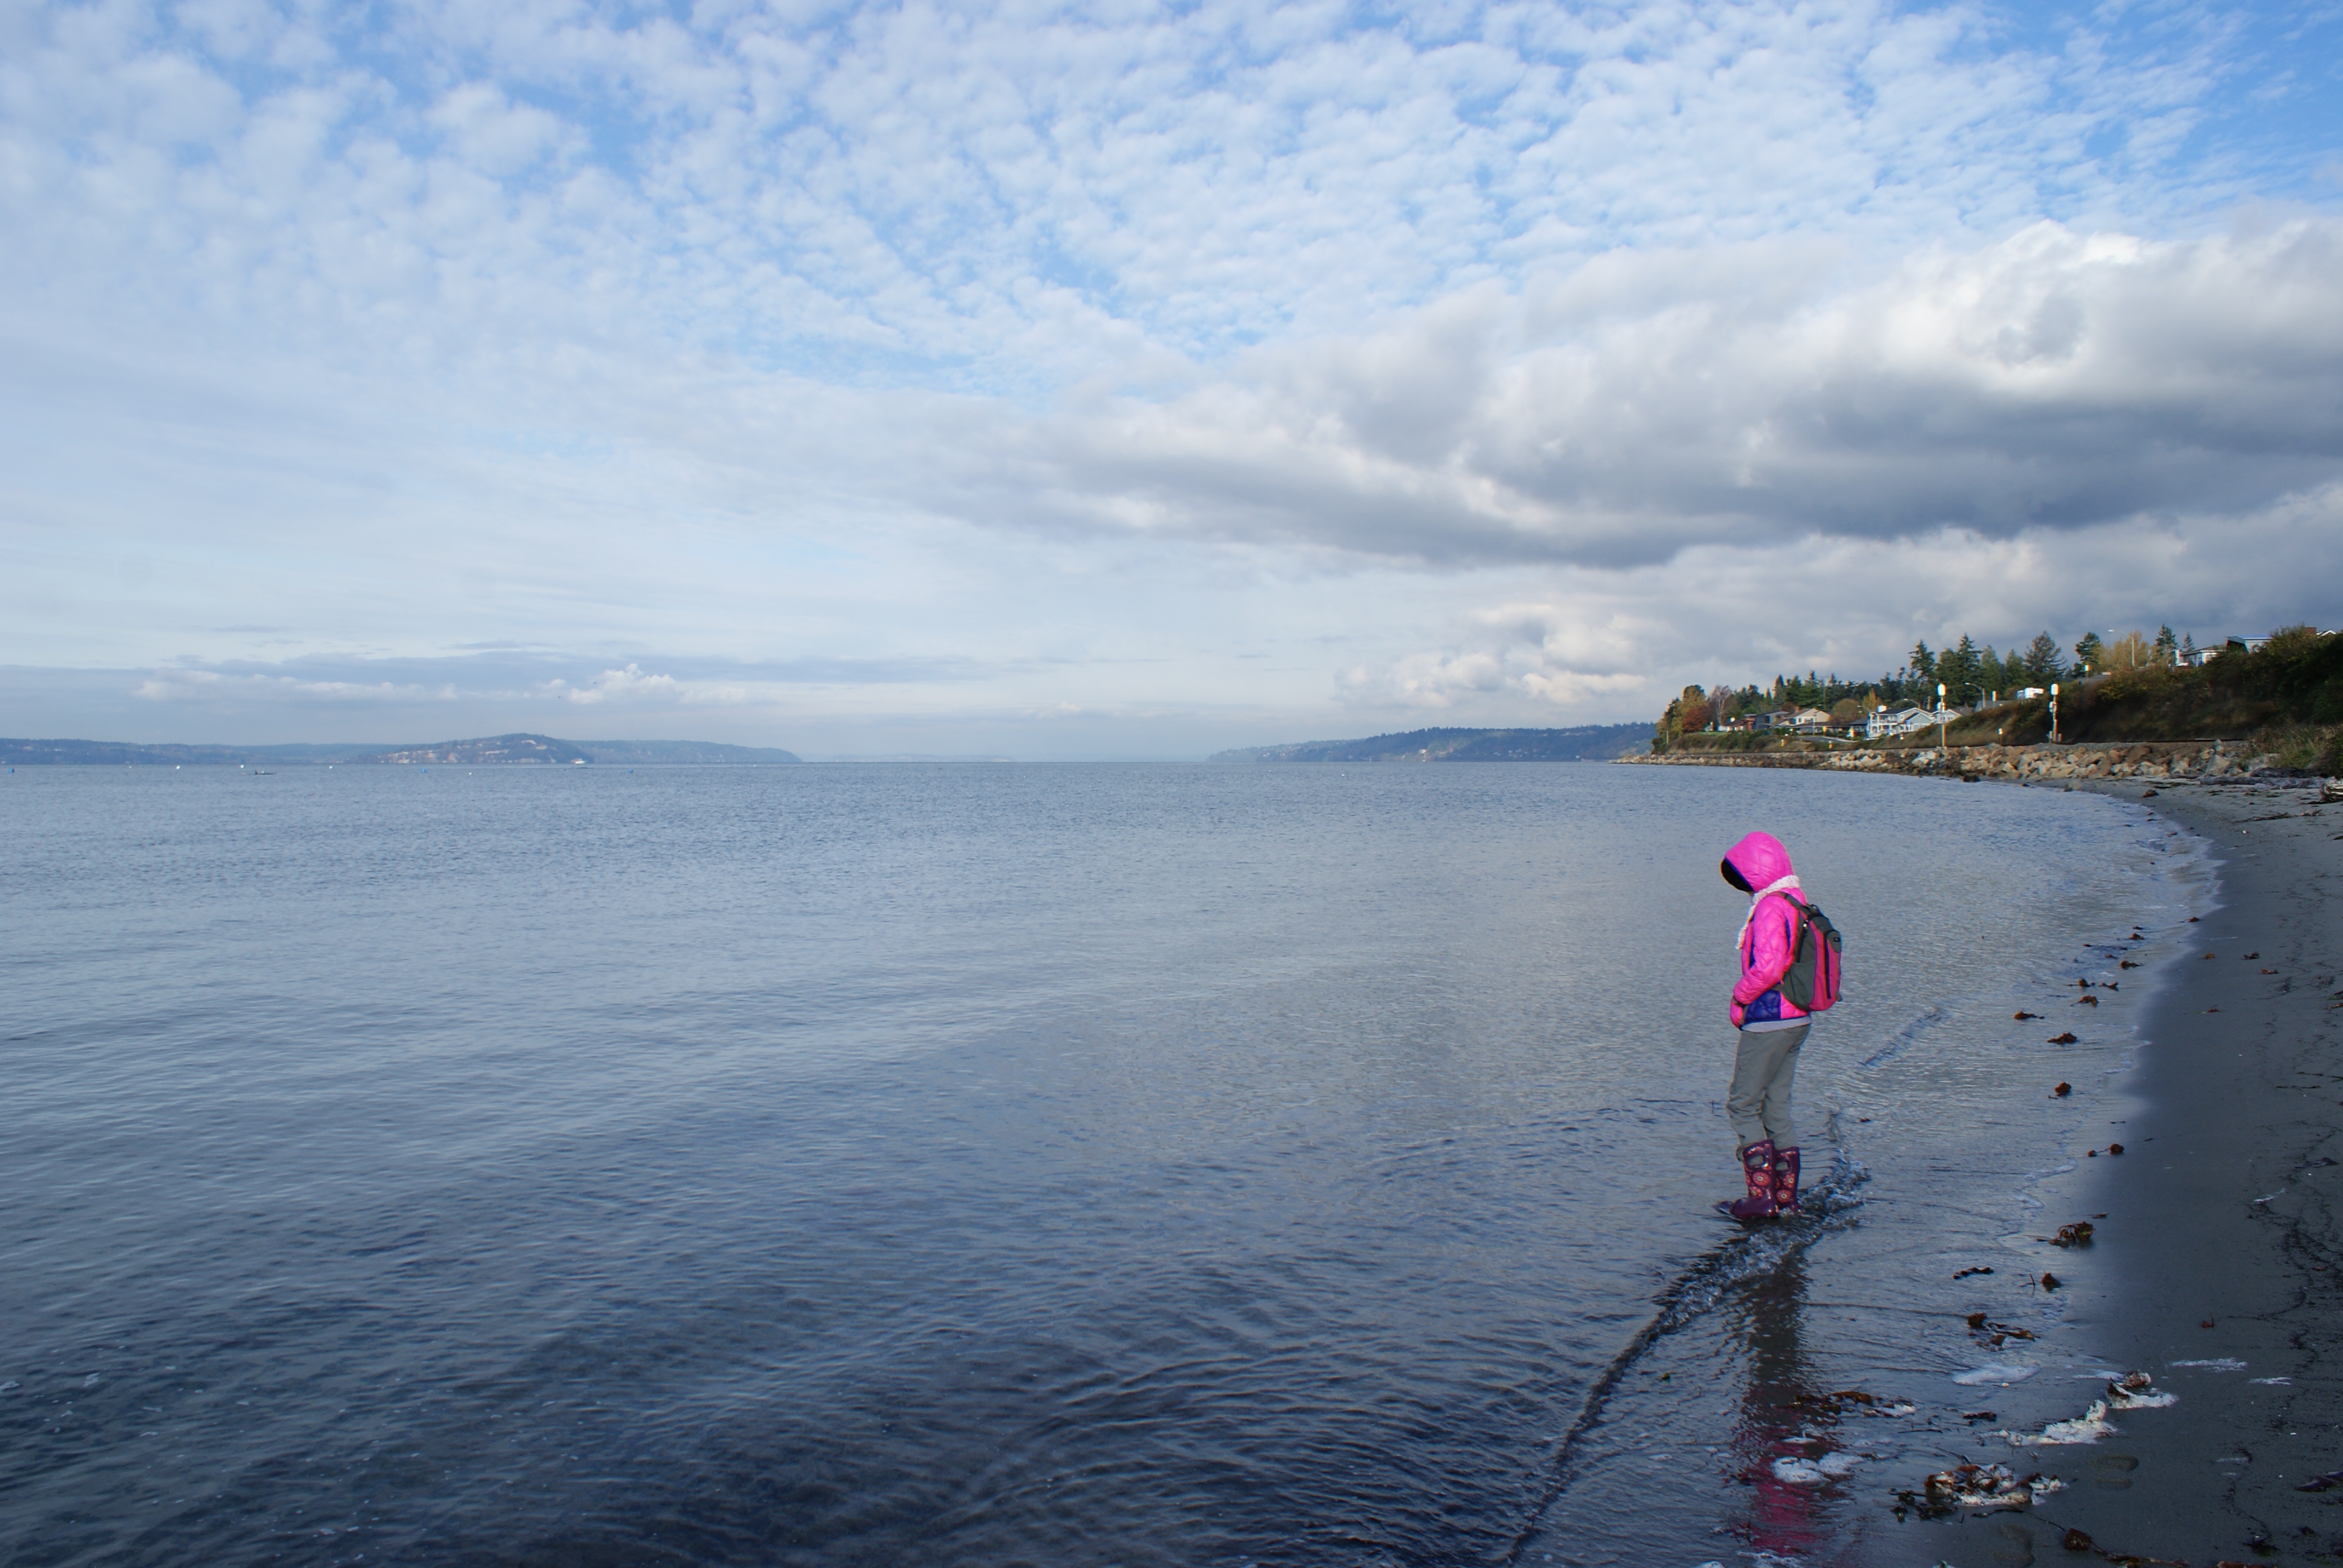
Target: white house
1892, 721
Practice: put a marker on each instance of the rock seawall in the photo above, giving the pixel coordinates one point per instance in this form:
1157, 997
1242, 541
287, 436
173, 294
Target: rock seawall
2025, 764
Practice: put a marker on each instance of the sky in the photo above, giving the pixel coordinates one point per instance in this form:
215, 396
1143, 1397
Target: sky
1136, 380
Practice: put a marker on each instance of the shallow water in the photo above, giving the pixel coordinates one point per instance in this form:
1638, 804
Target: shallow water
967, 1164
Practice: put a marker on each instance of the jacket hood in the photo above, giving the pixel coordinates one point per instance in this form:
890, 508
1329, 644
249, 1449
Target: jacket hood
1760, 859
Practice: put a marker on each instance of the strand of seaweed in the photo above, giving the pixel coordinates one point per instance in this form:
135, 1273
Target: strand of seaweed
1693, 1294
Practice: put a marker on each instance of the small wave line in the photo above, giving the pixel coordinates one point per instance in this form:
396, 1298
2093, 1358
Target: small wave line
1687, 1296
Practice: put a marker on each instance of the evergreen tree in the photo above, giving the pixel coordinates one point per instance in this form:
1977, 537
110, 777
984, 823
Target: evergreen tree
2042, 661
2086, 654
2168, 647
2188, 648
1924, 667
1958, 668
2013, 673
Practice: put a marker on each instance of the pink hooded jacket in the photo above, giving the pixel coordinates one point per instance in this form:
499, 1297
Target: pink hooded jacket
1771, 939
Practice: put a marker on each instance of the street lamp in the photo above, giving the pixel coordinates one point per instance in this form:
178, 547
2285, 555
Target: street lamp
1940, 714
2054, 713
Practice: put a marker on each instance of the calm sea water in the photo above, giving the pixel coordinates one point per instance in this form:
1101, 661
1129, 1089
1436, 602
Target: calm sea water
948, 1164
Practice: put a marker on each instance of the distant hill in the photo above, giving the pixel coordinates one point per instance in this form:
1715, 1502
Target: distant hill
494, 749
631, 752
119, 753
1584, 743
501, 748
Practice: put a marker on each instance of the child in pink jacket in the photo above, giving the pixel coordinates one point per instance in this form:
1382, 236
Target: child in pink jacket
1772, 1029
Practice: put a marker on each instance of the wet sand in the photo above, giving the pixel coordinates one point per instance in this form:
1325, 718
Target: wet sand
1804, 1378
2219, 1267
2222, 1210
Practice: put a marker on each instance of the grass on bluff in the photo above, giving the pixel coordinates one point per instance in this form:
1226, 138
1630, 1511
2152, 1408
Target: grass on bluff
1731, 740
2285, 697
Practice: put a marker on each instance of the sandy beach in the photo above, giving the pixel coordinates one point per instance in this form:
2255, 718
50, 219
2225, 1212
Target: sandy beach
2219, 1267
2215, 1265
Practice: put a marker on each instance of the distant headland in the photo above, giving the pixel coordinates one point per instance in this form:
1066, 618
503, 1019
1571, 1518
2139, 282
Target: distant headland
1584, 743
492, 749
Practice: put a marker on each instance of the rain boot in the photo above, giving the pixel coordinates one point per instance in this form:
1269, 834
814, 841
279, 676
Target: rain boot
1786, 1180
1757, 1170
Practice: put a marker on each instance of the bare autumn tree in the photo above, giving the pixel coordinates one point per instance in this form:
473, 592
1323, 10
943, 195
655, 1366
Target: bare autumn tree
1696, 711
2128, 651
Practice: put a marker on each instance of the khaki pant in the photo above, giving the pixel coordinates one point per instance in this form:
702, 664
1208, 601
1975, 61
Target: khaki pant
1758, 1103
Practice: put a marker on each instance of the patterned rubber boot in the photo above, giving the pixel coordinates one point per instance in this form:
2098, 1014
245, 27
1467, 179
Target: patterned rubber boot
1757, 1170
1786, 1180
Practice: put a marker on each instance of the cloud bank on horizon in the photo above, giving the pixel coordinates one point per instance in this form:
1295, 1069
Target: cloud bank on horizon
1139, 378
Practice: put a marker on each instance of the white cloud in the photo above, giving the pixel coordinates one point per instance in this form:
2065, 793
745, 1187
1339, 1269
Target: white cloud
2055, 379
628, 684
221, 690
631, 688
493, 135
1622, 643
1533, 658
790, 367
1004, 198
